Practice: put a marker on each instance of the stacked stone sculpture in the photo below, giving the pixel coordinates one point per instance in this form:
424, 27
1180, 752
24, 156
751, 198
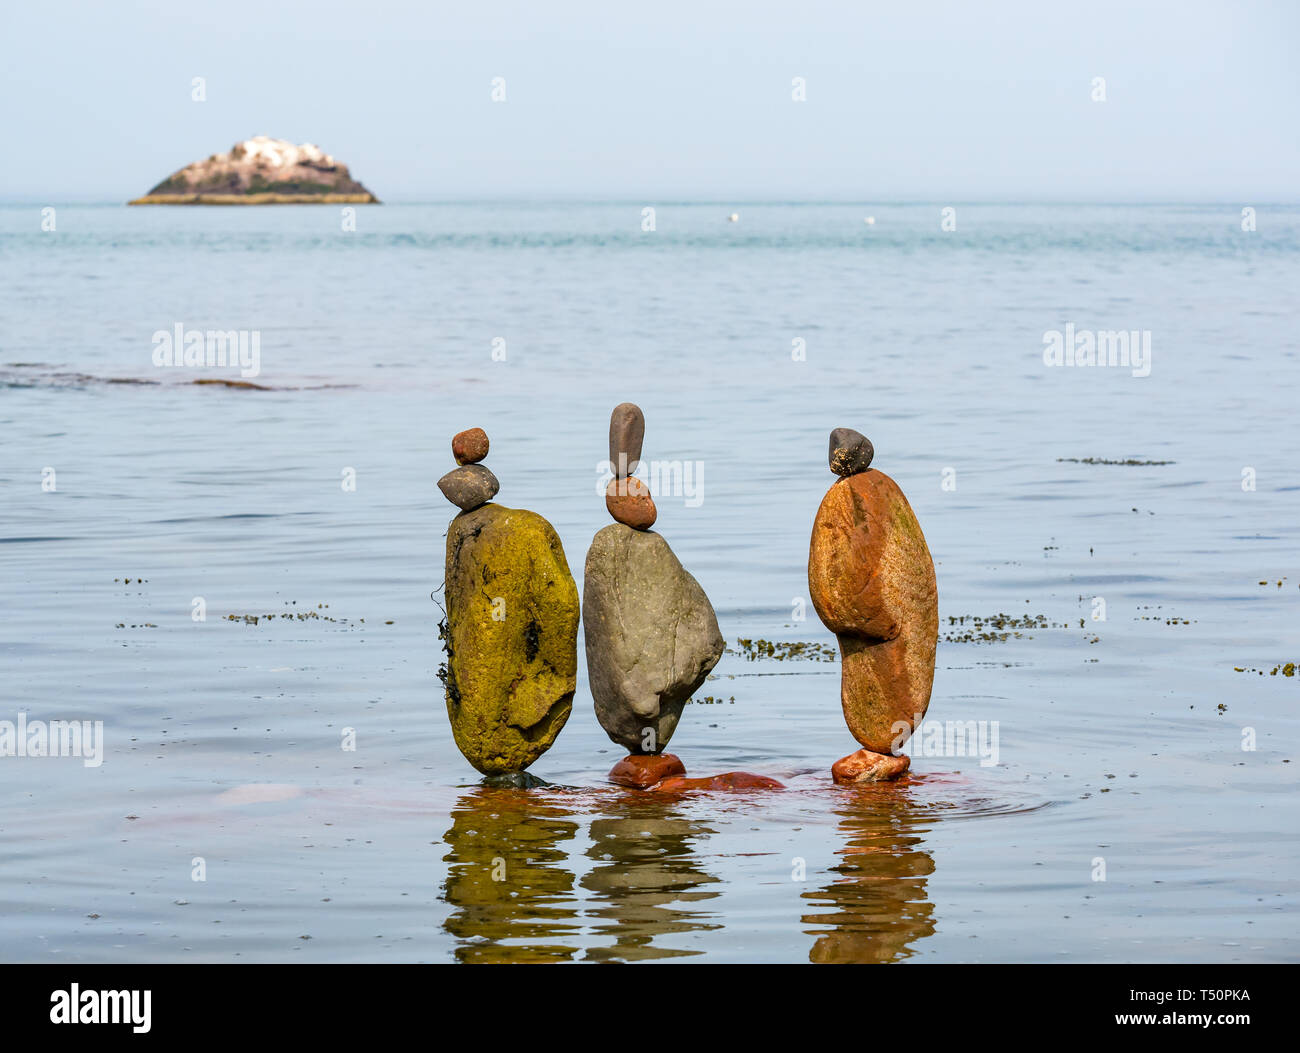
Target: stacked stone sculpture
652, 637
651, 634
871, 578
511, 632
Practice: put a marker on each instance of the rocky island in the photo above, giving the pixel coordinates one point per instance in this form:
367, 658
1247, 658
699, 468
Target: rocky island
262, 171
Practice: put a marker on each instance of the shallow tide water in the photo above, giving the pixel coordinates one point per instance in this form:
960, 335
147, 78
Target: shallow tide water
1123, 819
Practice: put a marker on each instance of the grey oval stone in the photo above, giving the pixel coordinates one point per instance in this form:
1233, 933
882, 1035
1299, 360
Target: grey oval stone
651, 634
626, 434
850, 452
469, 486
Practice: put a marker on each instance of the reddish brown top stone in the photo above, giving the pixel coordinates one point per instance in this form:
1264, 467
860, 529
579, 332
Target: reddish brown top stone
470, 446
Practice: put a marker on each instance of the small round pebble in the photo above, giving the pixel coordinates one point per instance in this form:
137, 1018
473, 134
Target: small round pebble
469, 447
629, 502
850, 452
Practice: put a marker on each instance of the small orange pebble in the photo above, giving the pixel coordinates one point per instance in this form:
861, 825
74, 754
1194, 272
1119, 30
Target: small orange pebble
640, 771
629, 502
866, 766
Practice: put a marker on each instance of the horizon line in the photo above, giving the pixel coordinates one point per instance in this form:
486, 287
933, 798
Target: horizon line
642, 201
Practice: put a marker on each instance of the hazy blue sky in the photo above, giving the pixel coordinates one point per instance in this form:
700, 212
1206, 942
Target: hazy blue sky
668, 100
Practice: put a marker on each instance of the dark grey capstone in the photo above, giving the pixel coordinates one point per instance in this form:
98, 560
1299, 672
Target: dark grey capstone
469, 486
626, 434
652, 637
851, 452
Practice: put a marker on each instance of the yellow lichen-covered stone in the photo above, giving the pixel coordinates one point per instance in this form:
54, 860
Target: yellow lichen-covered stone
511, 637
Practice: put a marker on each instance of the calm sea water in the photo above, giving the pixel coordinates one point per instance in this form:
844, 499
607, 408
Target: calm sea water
1120, 741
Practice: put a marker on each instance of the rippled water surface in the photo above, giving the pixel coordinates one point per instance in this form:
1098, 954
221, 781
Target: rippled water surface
1120, 741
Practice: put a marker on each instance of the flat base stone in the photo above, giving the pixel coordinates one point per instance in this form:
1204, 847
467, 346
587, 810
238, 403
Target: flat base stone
514, 780
732, 780
865, 766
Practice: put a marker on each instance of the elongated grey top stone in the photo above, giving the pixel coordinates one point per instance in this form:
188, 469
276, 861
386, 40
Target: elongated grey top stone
626, 434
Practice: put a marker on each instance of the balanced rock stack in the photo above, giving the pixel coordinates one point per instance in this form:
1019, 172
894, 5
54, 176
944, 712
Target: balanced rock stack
512, 622
651, 634
871, 578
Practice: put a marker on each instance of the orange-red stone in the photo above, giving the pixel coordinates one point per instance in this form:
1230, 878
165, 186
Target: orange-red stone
872, 582
865, 766
469, 447
628, 501
640, 771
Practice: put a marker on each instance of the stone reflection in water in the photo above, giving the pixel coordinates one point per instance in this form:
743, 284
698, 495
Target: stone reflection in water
647, 869
879, 908
512, 894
